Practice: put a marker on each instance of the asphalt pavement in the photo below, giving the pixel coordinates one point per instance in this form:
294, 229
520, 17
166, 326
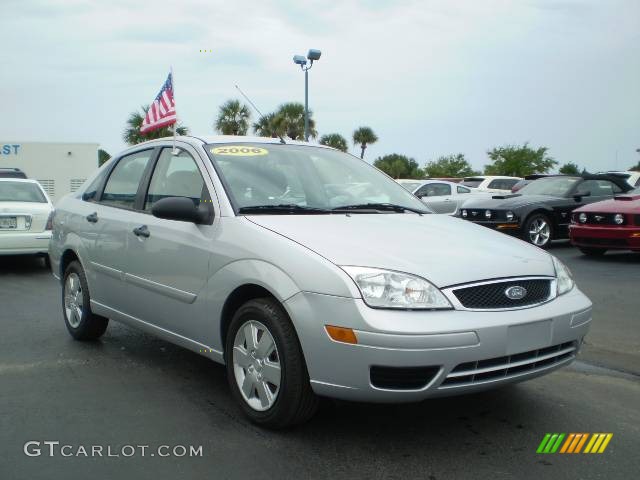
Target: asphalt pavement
131, 389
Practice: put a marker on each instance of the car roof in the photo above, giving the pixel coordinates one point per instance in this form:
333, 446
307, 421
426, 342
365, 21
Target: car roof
22, 180
490, 177
208, 139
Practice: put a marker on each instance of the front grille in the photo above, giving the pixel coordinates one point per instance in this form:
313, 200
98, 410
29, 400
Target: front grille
402, 378
493, 295
594, 218
478, 215
509, 366
618, 242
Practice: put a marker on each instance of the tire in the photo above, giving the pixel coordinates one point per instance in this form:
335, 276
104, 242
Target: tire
538, 230
81, 322
251, 366
593, 251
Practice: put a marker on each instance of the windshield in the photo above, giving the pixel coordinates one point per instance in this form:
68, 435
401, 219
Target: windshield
556, 186
21, 192
304, 178
410, 186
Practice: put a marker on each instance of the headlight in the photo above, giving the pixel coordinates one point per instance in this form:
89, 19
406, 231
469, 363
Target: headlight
618, 218
563, 276
464, 213
487, 213
582, 217
509, 215
389, 289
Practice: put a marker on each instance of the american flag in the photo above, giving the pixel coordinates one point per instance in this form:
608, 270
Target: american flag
163, 110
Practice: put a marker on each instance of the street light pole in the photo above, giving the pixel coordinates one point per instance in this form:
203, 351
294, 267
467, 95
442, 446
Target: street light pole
302, 61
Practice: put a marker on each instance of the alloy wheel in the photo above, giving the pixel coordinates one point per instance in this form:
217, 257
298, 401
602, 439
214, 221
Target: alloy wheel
539, 232
73, 300
256, 365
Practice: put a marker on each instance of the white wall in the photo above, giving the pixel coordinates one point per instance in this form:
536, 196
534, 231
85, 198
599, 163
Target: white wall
60, 167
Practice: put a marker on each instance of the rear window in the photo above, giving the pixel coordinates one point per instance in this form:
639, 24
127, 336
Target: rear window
472, 182
21, 192
503, 183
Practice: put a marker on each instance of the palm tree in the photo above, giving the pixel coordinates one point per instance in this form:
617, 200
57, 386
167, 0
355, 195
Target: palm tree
289, 119
265, 127
233, 118
364, 136
334, 140
103, 156
132, 135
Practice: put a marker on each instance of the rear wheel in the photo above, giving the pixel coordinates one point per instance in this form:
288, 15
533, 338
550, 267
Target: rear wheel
593, 252
265, 366
81, 322
538, 230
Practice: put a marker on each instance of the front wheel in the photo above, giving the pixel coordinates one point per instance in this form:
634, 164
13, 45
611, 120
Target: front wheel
593, 252
265, 366
81, 322
538, 230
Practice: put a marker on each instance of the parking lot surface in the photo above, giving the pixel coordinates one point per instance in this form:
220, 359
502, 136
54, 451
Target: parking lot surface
130, 388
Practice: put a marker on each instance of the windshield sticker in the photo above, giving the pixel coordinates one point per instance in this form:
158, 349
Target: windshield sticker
240, 151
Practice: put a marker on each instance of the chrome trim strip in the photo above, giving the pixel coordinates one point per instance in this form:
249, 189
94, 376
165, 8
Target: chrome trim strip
509, 377
181, 295
448, 292
505, 366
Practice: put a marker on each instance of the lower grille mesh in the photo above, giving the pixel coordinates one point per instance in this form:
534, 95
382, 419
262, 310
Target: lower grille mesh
508, 366
402, 378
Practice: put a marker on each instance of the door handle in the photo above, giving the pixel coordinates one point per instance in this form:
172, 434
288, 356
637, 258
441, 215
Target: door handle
92, 218
142, 231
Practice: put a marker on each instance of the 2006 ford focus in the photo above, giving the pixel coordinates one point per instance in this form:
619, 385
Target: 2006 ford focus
308, 273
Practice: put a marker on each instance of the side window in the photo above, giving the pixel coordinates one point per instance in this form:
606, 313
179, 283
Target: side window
638, 182
597, 188
463, 190
122, 185
91, 192
176, 176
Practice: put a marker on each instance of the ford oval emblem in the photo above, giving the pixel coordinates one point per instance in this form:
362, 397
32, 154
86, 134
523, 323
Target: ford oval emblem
516, 292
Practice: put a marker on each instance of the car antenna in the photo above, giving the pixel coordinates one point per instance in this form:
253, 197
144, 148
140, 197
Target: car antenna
259, 112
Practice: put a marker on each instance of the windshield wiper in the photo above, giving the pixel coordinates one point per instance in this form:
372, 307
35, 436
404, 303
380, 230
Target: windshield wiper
388, 207
281, 208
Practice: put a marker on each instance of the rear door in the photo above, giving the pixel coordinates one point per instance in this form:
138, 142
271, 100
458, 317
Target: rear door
105, 222
168, 266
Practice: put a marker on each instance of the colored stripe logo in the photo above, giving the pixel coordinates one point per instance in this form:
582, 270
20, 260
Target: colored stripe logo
574, 443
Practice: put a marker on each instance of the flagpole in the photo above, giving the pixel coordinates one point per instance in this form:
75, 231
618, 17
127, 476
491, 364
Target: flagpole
174, 151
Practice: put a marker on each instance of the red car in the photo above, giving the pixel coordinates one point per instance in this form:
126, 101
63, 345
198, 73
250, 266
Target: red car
609, 225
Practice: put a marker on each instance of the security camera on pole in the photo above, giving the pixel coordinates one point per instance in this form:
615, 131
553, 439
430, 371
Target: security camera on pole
302, 61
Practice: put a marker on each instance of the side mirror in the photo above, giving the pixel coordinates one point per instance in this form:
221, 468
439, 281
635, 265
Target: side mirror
578, 196
178, 208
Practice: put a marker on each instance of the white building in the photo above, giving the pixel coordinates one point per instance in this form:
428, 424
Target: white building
59, 167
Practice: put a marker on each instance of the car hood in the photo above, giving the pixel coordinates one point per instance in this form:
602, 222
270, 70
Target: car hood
444, 250
622, 204
509, 203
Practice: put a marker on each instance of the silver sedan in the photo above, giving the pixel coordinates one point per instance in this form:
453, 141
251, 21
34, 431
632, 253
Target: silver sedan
297, 267
439, 195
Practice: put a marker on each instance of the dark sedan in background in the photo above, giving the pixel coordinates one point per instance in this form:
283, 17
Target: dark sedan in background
541, 211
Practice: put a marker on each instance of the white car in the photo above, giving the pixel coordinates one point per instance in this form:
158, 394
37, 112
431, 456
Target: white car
491, 183
25, 218
439, 195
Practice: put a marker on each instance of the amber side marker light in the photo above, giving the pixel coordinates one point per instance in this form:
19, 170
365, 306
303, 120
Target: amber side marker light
341, 334
635, 234
502, 226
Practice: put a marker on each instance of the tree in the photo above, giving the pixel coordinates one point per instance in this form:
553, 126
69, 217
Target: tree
334, 140
233, 118
399, 166
265, 126
635, 168
570, 169
364, 136
519, 161
103, 156
454, 166
132, 135
289, 120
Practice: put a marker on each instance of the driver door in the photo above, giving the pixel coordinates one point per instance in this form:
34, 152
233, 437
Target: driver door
438, 197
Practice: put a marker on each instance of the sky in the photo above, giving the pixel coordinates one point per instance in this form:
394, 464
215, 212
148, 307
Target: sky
431, 77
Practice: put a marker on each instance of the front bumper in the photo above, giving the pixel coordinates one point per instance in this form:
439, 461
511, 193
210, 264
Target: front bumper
511, 228
488, 348
23, 243
591, 236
